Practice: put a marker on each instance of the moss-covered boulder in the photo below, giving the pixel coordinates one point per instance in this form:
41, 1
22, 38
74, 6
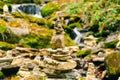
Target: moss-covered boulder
83, 53
49, 8
39, 21
111, 44
112, 64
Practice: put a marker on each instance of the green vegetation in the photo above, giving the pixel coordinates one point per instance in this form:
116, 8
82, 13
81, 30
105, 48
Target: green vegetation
1, 7
83, 53
111, 44
99, 17
39, 21
36, 41
68, 41
49, 8
1, 75
6, 46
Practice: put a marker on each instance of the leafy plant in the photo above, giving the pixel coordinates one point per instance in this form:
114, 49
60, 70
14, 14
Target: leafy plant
97, 16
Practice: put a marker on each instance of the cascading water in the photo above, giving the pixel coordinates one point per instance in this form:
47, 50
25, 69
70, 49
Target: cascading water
31, 9
78, 37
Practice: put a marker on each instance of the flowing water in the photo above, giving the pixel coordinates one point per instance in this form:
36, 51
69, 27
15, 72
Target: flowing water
31, 9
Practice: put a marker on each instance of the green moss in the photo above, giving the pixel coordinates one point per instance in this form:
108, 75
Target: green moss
73, 25
35, 41
1, 7
68, 41
39, 21
83, 53
112, 63
49, 8
1, 75
6, 46
97, 16
37, 1
111, 44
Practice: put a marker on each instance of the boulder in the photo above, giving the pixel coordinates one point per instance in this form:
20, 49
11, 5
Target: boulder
112, 64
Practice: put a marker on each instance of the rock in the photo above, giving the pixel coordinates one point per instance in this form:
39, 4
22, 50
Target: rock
90, 40
57, 65
23, 73
74, 74
2, 53
6, 60
57, 40
30, 77
91, 72
98, 59
17, 61
19, 31
4, 64
27, 65
108, 51
112, 64
61, 57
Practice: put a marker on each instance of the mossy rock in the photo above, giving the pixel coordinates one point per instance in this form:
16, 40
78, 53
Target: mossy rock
6, 46
111, 44
39, 21
49, 8
112, 64
83, 53
35, 41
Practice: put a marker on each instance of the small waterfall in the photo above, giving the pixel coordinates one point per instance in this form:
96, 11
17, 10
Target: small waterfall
78, 37
31, 9
79, 34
